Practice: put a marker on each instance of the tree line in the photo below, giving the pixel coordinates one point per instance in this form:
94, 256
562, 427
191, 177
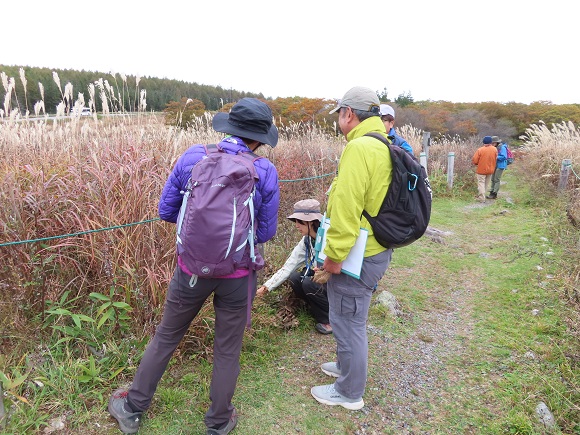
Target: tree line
126, 88
507, 120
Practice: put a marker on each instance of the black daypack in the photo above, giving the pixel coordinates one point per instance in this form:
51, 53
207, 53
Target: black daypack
406, 209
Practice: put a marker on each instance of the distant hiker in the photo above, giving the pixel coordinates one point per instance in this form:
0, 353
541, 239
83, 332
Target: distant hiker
248, 125
388, 118
501, 164
364, 175
299, 267
485, 158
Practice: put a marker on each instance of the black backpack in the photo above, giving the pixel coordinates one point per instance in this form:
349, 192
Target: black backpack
406, 209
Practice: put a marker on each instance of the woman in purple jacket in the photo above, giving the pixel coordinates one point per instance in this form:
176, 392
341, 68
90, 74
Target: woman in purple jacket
248, 125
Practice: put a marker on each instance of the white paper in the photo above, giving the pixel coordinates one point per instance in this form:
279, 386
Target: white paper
352, 265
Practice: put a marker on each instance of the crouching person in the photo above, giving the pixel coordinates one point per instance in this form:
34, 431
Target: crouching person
299, 267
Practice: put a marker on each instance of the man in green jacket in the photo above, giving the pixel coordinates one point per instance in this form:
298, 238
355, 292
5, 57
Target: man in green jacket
364, 175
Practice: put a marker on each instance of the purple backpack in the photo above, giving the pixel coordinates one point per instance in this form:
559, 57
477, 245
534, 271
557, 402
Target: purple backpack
215, 227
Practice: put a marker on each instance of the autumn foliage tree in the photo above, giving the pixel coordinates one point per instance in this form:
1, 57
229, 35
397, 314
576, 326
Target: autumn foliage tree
182, 112
300, 110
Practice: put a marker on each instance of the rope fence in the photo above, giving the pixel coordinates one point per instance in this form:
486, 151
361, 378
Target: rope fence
115, 227
574, 172
307, 178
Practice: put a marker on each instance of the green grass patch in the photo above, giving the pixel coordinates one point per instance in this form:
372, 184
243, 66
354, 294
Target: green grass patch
484, 335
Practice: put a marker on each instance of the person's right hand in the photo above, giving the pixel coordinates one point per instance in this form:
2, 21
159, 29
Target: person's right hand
331, 266
262, 291
320, 276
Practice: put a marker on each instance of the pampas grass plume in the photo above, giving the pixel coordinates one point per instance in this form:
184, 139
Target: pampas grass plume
23, 78
4, 77
56, 80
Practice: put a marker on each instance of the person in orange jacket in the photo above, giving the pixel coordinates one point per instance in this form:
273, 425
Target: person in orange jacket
485, 158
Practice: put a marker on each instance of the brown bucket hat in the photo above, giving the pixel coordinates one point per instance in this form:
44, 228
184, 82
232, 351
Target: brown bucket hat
306, 210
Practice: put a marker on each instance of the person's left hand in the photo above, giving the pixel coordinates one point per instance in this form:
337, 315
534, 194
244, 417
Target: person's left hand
331, 266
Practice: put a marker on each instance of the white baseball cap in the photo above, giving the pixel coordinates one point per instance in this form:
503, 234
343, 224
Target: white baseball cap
385, 109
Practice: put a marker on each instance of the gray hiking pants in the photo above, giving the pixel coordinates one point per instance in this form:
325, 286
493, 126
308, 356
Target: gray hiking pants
495, 180
349, 301
181, 306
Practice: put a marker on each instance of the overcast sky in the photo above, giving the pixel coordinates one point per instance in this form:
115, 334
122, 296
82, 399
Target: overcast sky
452, 50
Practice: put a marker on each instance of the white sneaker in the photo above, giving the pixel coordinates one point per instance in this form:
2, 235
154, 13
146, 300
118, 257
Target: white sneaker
329, 396
331, 369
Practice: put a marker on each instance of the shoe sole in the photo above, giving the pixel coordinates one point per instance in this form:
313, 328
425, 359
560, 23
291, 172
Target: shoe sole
329, 373
322, 331
122, 427
226, 429
353, 406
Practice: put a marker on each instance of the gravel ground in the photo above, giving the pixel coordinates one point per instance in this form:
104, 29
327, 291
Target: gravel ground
416, 370
410, 373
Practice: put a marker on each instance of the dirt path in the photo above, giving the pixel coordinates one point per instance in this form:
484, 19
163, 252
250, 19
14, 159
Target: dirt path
417, 366
409, 372
413, 368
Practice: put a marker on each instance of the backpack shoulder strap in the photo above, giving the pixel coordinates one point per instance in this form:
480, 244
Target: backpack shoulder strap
215, 148
252, 157
249, 155
394, 156
212, 148
397, 165
380, 137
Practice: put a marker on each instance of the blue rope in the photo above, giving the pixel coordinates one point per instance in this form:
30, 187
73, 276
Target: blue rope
572, 169
307, 178
80, 233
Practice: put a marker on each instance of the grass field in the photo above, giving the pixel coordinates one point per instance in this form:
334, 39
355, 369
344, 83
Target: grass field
489, 322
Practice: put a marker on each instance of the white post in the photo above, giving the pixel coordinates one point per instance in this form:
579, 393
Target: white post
564, 173
423, 160
450, 166
426, 143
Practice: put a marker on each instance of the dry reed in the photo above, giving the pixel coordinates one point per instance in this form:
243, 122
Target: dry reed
77, 175
545, 150
68, 175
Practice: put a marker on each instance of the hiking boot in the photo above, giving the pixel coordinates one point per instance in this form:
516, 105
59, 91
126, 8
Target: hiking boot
331, 369
128, 421
492, 195
329, 396
226, 427
323, 328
